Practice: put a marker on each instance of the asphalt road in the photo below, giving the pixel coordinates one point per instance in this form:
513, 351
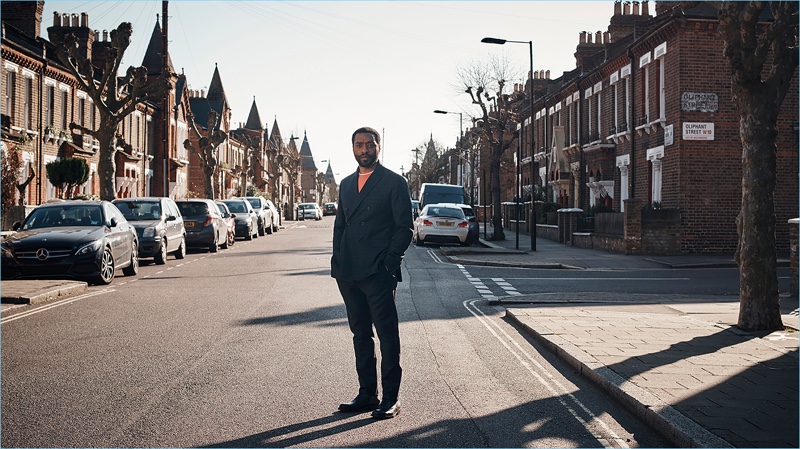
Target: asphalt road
249, 347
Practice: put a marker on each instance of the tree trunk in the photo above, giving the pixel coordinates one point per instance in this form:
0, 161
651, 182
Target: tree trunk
759, 307
106, 164
497, 210
208, 173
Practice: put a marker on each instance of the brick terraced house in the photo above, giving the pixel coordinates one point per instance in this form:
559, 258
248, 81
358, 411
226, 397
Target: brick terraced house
646, 122
41, 100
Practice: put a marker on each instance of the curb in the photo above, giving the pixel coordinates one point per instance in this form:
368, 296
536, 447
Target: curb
675, 426
46, 294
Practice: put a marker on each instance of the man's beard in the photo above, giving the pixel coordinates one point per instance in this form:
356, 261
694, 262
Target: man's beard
369, 162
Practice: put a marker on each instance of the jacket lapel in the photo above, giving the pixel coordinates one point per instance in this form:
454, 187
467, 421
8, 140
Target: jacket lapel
373, 180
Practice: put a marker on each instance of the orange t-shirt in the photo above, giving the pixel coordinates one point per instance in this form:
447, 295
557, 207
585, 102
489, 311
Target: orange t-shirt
362, 179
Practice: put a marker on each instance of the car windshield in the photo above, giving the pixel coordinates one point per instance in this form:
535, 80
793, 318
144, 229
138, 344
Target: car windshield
255, 202
66, 215
236, 207
193, 209
468, 212
450, 212
139, 210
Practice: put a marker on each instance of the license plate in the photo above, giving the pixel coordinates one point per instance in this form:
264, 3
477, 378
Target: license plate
189, 224
445, 223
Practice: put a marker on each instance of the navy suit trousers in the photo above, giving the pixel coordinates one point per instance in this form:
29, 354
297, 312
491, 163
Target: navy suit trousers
372, 302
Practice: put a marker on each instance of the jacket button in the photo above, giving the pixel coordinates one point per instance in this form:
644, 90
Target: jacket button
362, 223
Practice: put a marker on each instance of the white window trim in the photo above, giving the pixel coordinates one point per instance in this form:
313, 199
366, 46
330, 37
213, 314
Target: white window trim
645, 59
662, 94
625, 72
660, 51
27, 73
623, 163
11, 67
655, 155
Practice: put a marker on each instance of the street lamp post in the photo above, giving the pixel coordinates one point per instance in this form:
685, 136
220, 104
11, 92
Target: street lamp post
494, 40
461, 145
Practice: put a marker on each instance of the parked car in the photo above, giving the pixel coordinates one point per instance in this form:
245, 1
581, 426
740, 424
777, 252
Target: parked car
159, 226
205, 227
245, 217
266, 215
229, 220
474, 228
329, 209
441, 223
275, 216
86, 240
309, 210
414, 209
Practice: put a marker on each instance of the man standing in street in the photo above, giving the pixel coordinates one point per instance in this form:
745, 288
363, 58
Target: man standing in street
371, 233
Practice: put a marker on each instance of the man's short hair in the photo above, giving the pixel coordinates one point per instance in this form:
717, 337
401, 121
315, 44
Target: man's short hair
366, 130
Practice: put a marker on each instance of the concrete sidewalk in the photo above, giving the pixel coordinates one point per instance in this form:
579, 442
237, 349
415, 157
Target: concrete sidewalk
677, 362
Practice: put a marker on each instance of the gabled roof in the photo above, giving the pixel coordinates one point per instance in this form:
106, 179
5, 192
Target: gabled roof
329, 175
305, 152
253, 120
275, 140
201, 107
216, 93
152, 57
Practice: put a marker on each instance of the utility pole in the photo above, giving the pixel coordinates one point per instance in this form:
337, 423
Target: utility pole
165, 101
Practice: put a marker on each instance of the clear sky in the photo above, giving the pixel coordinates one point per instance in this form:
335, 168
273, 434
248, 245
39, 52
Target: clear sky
326, 68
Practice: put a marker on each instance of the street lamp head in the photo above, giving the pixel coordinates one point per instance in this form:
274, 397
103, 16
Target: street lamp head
493, 40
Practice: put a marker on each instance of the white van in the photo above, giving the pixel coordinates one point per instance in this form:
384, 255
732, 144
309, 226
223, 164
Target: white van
440, 193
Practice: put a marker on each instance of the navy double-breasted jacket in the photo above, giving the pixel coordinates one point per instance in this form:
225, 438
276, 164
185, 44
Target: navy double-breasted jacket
373, 227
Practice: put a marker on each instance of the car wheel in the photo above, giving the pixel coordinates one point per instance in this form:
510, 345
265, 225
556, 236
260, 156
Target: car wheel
231, 239
180, 253
275, 228
106, 268
249, 235
161, 255
268, 229
261, 229
133, 268
225, 243
420, 242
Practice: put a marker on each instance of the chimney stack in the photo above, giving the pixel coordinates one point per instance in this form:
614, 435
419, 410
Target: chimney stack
626, 10
617, 7
645, 8
635, 8
66, 23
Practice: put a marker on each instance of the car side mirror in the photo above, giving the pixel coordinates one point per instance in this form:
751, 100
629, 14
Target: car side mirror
233, 215
171, 218
16, 226
114, 222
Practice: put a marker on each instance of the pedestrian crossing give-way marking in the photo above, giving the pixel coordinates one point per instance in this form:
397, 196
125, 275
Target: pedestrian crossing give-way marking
484, 290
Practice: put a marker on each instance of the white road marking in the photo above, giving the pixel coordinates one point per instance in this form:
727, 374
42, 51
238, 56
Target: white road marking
535, 368
54, 304
545, 378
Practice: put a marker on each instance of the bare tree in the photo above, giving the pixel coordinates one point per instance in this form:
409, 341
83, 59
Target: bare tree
207, 153
252, 145
763, 56
115, 97
496, 120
